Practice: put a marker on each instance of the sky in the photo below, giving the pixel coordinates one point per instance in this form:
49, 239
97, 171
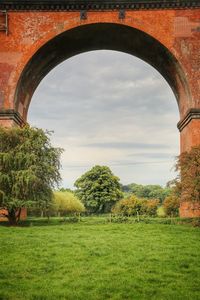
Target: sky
109, 108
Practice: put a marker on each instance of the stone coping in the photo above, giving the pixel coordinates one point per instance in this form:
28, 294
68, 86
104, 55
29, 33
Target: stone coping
95, 5
11, 114
193, 113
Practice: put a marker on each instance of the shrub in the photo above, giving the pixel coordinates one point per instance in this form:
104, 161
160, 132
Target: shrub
150, 207
171, 205
161, 211
132, 206
128, 207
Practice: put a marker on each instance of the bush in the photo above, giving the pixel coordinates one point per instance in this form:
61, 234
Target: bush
161, 211
128, 207
132, 206
150, 207
118, 219
171, 205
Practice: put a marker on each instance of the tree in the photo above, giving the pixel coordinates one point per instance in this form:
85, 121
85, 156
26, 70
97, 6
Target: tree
66, 190
66, 203
98, 189
29, 169
147, 191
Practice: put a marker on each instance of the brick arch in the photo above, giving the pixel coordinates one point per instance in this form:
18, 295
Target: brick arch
97, 36
41, 34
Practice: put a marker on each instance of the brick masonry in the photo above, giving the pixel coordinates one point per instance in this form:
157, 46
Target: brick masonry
177, 30
23, 215
166, 38
190, 210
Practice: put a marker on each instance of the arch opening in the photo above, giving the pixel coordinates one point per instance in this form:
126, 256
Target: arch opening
101, 36
109, 108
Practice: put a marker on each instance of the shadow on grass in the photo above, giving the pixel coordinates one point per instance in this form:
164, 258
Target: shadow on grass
37, 222
95, 220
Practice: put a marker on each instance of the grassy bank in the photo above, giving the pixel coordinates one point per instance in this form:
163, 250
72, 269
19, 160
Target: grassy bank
98, 260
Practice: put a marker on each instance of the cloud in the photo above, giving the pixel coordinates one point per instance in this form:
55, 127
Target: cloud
121, 145
154, 155
104, 107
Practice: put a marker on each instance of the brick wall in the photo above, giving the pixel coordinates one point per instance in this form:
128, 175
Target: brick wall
189, 210
23, 215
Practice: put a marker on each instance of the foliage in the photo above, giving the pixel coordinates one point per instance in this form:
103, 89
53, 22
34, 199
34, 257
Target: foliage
66, 203
171, 205
188, 165
63, 203
161, 211
65, 190
150, 207
129, 206
186, 187
132, 206
98, 189
29, 169
147, 191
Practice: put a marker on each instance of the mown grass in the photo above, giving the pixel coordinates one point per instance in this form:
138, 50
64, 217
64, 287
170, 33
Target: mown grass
98, 260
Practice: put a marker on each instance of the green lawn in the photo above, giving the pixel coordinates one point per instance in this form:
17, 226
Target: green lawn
97, 260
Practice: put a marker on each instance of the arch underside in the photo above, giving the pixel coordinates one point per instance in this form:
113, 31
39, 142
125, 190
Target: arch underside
99, 36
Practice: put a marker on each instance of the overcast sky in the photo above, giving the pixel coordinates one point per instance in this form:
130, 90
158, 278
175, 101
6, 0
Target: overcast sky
109, 108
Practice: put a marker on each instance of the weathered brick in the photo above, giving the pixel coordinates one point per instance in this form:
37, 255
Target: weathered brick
23, 214
176, 33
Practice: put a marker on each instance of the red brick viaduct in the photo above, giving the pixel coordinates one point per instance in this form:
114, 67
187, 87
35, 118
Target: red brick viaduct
36, 35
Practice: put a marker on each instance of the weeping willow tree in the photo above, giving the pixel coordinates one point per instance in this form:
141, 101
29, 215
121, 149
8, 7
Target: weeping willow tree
66, 203
29, 169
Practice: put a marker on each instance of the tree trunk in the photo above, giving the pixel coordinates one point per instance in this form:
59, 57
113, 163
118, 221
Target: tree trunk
12, 218
18, 215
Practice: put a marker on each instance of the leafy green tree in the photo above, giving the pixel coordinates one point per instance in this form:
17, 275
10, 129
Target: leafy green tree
29, 169
147, 191
98, 189
167, 191
65, 190
132, 188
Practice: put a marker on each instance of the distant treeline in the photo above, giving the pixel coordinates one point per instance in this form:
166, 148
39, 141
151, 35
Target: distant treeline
150, 191
147, 191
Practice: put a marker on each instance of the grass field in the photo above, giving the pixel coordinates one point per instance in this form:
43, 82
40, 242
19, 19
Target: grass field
97, 260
